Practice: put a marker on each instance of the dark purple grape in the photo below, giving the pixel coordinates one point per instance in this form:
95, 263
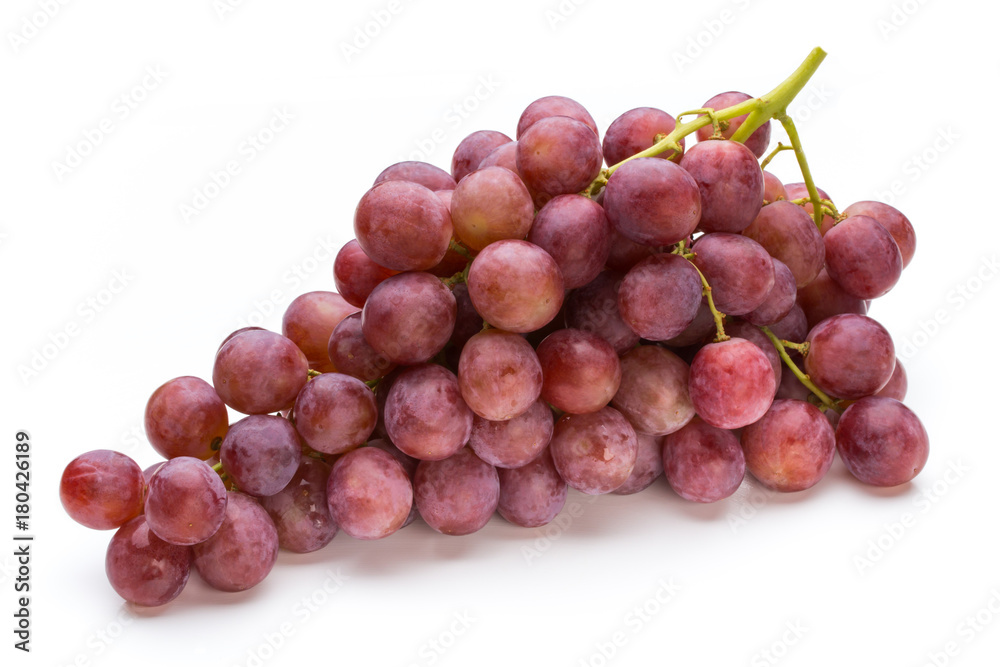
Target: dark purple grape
553, 105
862, 257
791, 447
515, 442
102, 489
489, 205
457, 495
823, 298
356, 275
641, 296
738, 268
335, 413
499, 374
596, 452
300, 512
850, 356
186, 502
532, 495
897, 385
351, 354
580, 371
648, 465
756, 142
244, 550
473, 149
425, 415
427, 175
310, 320
369, 493
144, 569
779, 301
261, 454
703, 463
882, 442
732, 383
788, 234
730, 182
594, 308
893, 221
652, 201
259, 372
516, 286
558, 155
185, 417
403, 226
635, 131
576, 233
653, 395
409, 318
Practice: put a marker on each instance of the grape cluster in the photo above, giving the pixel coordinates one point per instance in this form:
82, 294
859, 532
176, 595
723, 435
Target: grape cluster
529, 322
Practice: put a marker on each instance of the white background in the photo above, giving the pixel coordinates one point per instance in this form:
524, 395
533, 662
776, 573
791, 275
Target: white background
906, 96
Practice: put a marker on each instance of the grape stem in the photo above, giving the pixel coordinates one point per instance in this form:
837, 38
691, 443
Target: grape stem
770, 156
780, 346
460, 249
706, 290
829, 208
313, 373
793, 136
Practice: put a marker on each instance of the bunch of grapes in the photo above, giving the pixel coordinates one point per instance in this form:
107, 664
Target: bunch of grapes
532, 321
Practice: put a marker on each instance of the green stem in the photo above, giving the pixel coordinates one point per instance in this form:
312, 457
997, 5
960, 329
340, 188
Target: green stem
706, 290
779, 345
793, 136
218, 467
313, 373
460, 249
770, 156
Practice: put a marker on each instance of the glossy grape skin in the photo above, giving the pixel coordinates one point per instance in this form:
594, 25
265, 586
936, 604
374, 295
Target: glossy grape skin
792, 327
102, 489
862, 257
648, 465
409, 318
779, 301
738, 268
261, 453
457, 495
356, 275
732, 383
516, 286
641, 299
554, 105
244, 550
653, 394
635, 131
403, 226
309, 321
473, 149
897, 385
259, 372
580, 371
791, 447
422, 173
882, 442
185, 417
335, 413
532, 495
186, 502
369, 494
702, 463
756, 142
502, 156
576, 233
351, 354
742, 329
894, 222
731, 184
823, 298
788, 234
425, 415
596, 452
491, 204
774, 189
300, 512
594, 308
558, 155
652, 201
850, 356
800, 191
499, 374
516, 441
235, 334
144, 569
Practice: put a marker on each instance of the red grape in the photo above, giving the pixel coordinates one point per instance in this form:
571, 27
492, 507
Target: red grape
653, 394
515, 442
641, 296
186, 502
259, 372
516, 286
580, 371
652, 201
862, 257
144, 569
648, 465
310, 320
369, 494
893, 221
532, 495
730, 182
594, 308
738, 268
554, 105
409, 318
102, 489
756, 142
850, 356
425, 415
243, 551
703, 463
732, 383
473, 149
576, 233
791, 447
261, 453
427, 175
635, 131
356, 275
595, 452
300, 512
558, 155
335, 413
788, 234
403, 226
882, 442
457, 495
491, 204
499, 374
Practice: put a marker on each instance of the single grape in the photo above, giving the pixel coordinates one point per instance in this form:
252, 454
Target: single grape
356, 275
422, 173
300, 512
648, 465
738, 328
652, 201
457, 495
558, 155
491, 204
773, 188
409, 318
516, 286
144, 569
882, 442
186, 502
738, 268
580, 371
502, 156
147, 474
473, 149
102, 489
532, 495
185, 417
641, 299
335, 413
850, 356
793, 327
897, 385
499, 374
403, 226
369, 494
259, 372
626, 253
893, 221
653, 394
351, 354
425, 415
823, 298
788, 234
515, 442
635, 131
862, 257
731, 184
309, 321
409, 466
732, 383
791, 447
594, 308
235, 334
576, 233
244, 550
596, 452
261, 453
779, 301
757, 142
703, 464
554, 105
